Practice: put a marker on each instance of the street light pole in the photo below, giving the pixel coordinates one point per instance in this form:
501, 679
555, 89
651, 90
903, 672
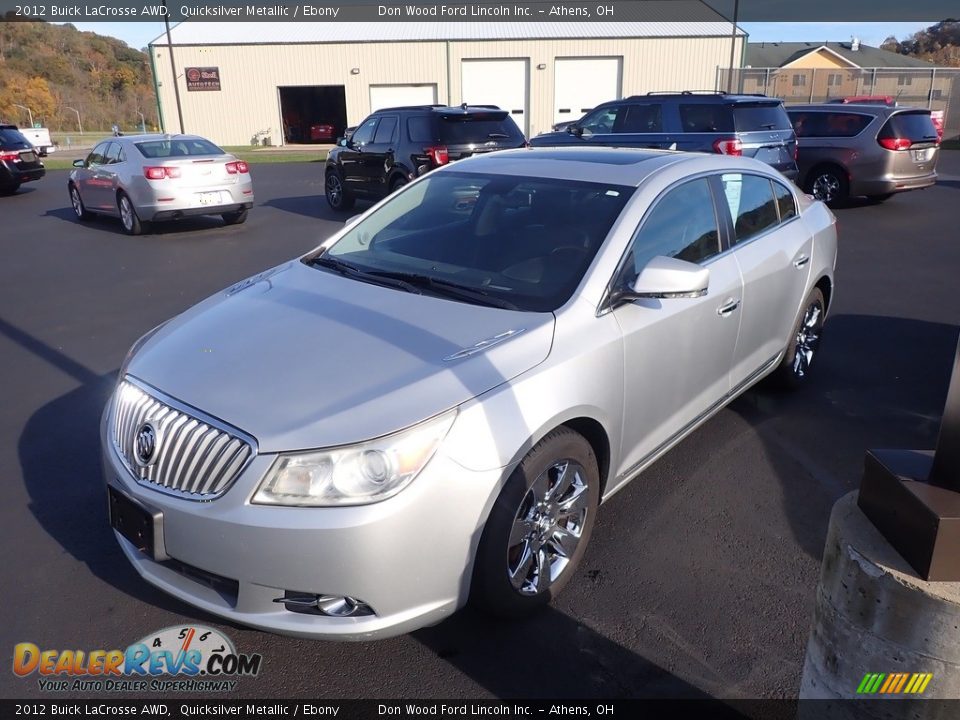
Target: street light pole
73, 110
733, 44
143, 122
29, 112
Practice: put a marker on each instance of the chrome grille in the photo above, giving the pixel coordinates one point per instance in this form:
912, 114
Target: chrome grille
193, 458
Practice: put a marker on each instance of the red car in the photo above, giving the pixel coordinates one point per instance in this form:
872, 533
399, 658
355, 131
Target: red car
322, 132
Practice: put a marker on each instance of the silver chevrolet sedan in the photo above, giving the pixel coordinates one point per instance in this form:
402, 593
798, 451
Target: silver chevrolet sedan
151, 178
429, 408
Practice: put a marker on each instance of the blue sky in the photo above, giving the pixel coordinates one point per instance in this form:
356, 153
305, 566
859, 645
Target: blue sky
138, 34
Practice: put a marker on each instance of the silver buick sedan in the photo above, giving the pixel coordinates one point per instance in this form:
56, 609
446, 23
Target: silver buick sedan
430, 408
151, 178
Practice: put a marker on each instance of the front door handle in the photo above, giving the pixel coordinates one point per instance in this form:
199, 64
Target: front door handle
801, 261
728, 307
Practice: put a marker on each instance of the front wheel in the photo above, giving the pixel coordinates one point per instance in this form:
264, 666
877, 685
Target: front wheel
128, 215
77, 202
794, 368
337, 196
235, 218
539, 527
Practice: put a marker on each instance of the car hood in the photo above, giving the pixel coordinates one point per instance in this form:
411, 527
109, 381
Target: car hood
299, 357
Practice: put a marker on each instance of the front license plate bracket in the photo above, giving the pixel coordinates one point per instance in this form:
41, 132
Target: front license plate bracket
142, 528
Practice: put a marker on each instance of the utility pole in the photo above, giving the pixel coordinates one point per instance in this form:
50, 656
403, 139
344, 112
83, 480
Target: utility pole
29, 112
733, 44
173, 69
79, 124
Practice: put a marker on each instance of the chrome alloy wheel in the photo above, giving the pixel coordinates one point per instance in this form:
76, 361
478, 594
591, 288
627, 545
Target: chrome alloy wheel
76, 202
826, 187
807, 339
126, 213
334, 190
547, 527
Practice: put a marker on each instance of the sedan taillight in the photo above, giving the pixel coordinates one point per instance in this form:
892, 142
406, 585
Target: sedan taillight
9, 156
895, 143
237, 166
160, 172
728, 146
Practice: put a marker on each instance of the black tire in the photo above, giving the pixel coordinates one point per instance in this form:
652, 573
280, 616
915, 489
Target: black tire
794, 369
9, 189
877, 199
128, 215
237, 217
829, 184
337, 196
77, 202
503, 584
398, 182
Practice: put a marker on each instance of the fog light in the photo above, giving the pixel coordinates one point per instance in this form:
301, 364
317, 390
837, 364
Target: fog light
327, 605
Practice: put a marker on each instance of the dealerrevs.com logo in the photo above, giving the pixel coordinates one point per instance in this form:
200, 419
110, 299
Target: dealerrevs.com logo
188, 658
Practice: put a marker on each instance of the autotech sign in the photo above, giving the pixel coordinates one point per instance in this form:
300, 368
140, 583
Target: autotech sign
203, 78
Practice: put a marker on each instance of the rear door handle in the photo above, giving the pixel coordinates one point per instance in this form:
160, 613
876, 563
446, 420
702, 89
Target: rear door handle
801, 261
728, 307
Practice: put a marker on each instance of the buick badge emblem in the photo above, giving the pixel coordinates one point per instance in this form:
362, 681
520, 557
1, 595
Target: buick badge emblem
145, 451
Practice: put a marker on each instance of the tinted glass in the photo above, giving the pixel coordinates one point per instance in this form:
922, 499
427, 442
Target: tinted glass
477, 129
785, 201
829, 124
385, 129
915, 126
600, 121
114, 154
13, 140
177, 147
682, 225
639, 119
98, 155
364, 133
420, 129
705, 117
521, 239
751, 202
762, 116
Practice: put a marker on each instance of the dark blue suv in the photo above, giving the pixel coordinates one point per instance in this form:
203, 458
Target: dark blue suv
754, 126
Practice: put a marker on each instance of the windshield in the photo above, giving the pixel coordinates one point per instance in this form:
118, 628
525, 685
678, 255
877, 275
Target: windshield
523, 240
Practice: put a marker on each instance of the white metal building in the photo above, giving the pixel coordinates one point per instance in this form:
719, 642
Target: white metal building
278, 80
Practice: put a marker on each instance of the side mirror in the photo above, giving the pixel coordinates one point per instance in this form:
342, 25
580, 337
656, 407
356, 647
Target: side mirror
575, 130
669, 278
79, 163
352, 220
344, 142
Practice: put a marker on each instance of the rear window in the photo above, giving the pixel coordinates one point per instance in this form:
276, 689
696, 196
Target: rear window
420, 129
177, 147
13, 140
829, 124
915, 126
704, 117
762, 116
467, 129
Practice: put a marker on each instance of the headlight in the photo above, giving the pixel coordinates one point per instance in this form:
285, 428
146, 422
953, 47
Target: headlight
354, 474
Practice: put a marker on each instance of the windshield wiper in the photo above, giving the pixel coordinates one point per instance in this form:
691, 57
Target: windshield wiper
449, 288
348, 270
497, 135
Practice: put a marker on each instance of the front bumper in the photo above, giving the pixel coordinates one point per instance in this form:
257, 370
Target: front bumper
409, 557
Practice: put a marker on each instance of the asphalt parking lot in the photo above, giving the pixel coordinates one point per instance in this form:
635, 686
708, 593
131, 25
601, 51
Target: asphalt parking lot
700, 577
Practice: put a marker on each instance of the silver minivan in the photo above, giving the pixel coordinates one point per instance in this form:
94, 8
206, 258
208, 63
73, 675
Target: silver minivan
864, 150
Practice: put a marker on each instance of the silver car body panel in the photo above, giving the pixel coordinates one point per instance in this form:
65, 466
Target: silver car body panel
300, 357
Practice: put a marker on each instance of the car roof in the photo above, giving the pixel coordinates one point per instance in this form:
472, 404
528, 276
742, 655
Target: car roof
442, 109
705, 97
606, 165
863, 108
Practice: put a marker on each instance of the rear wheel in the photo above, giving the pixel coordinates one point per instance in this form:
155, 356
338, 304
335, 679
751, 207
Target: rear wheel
828, 184
237, 217
337, 196
804, 344
128, 215
539, 527
77, 202
9, 189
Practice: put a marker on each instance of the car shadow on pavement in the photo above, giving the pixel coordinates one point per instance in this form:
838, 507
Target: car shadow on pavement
59, 453
879, 382
112, 224
313, 206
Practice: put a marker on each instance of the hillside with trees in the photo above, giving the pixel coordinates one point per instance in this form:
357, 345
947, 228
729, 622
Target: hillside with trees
940, 44
49, 68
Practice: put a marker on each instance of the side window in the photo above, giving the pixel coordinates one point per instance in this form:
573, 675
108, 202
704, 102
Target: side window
846, 124
682, 225
419, 130
601, 121
785, 201
385, 130
114, 154
364, 133
751, 202
639, 119
705, 117
98, 156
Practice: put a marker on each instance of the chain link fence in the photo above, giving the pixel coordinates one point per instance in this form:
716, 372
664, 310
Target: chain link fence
936, 88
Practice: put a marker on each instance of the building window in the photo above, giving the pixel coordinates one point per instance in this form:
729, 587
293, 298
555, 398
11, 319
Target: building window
904, 79
834, 79
937, 95
799, 80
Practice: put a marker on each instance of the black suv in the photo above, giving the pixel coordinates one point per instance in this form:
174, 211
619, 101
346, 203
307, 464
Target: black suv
18, 160
395, 145
750, 125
